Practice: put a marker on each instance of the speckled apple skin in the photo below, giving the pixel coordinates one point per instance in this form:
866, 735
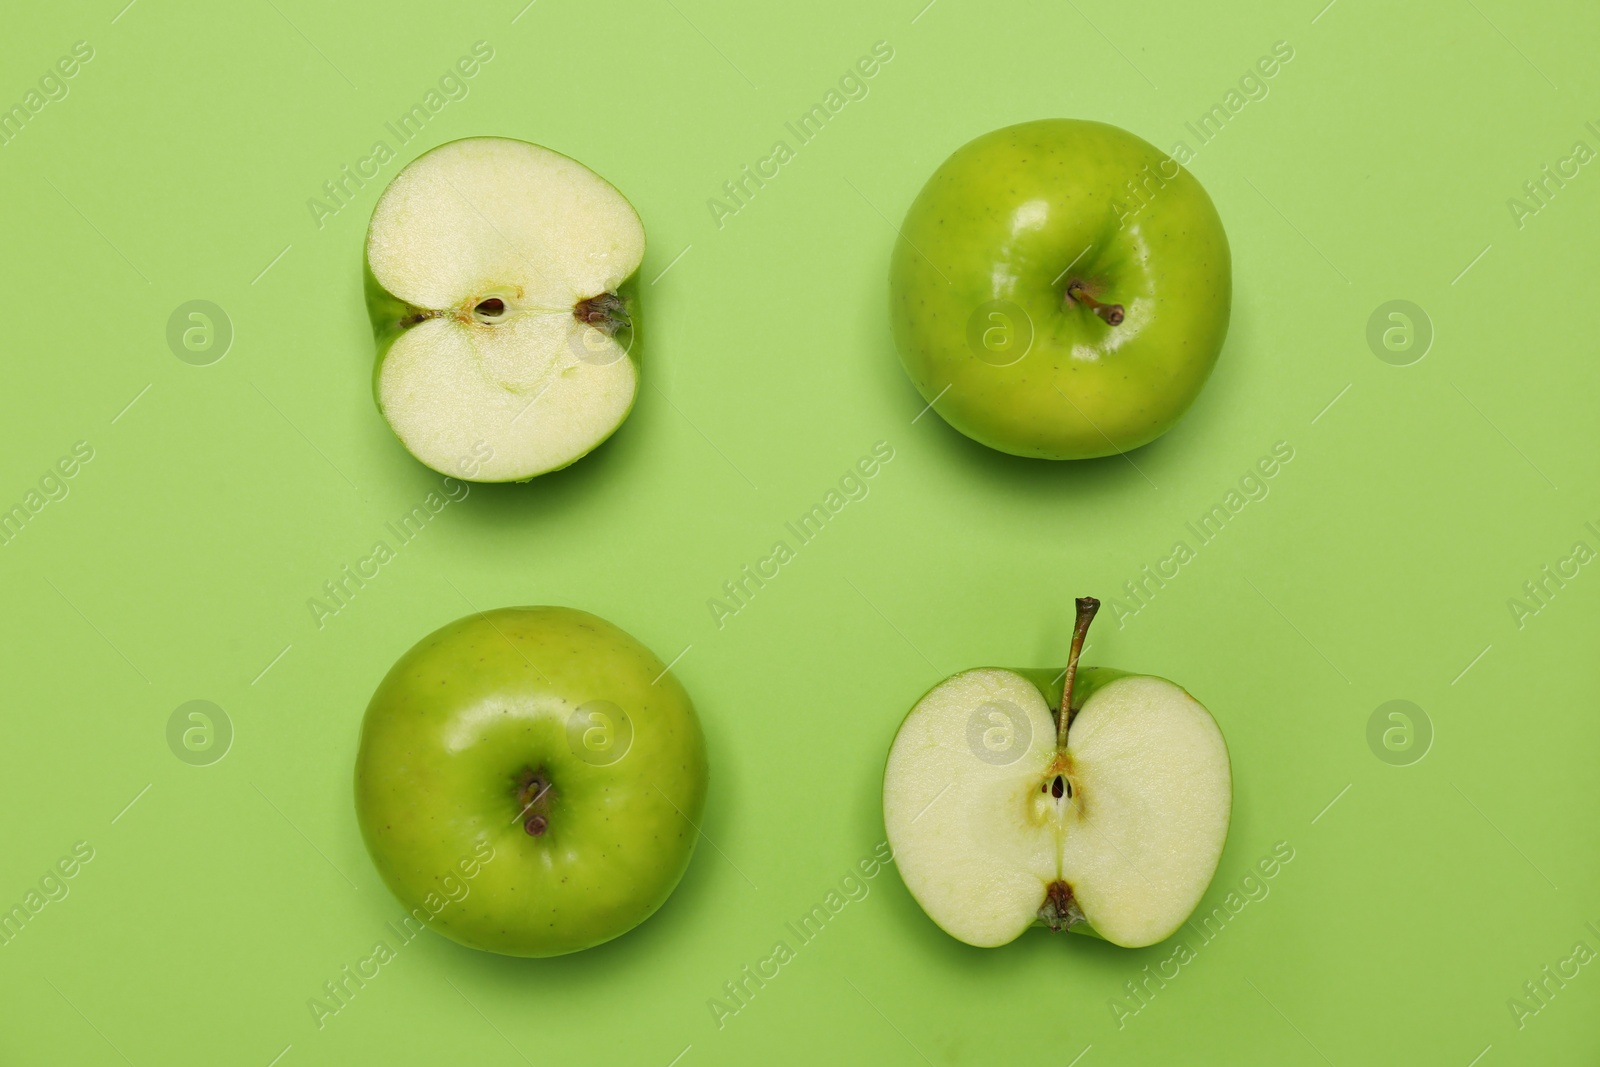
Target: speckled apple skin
474, 705
1015, 216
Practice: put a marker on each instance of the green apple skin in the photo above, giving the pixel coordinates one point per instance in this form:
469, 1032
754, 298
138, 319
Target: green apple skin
1019, 215
450, 736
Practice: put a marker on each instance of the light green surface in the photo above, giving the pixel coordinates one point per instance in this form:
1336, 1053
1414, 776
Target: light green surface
1377, 566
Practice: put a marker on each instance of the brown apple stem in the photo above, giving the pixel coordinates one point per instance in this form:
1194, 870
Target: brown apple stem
1110, 313
531, 788
1087, 606
607, 312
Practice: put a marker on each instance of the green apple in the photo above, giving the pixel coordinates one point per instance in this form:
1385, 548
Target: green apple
495, 279
551, 752
1107, 819
1060, 289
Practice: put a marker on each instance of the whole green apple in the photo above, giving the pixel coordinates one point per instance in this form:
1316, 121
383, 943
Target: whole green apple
1060, 289
530, 781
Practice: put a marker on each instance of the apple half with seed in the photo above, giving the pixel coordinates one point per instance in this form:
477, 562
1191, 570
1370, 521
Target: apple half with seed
1107, 818
495, 279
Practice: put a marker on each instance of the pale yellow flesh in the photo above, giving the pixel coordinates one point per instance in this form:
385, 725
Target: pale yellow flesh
1138, 842
535, 389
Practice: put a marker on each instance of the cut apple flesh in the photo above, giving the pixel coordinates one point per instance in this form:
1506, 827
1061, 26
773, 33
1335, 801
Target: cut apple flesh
502, 341
1122, 829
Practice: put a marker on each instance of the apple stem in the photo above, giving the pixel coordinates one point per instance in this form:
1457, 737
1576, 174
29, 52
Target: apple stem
1110, 313
1087, 606
607, 313
531, 788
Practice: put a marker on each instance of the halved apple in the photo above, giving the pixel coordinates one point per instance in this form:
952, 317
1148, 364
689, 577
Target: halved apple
495, 282
1108, 818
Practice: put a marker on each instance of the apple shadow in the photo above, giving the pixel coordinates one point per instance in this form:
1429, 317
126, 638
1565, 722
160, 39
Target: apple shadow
995, 470
1111, 474
671, 927
507, 504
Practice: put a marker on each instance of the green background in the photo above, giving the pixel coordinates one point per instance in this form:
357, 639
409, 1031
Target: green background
1379, 567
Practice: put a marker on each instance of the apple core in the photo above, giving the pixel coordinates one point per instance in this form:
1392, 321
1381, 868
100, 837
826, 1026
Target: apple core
1100, 806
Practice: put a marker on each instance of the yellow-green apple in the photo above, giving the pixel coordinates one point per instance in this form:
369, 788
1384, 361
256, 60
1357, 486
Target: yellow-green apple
551, 741
1060, 289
